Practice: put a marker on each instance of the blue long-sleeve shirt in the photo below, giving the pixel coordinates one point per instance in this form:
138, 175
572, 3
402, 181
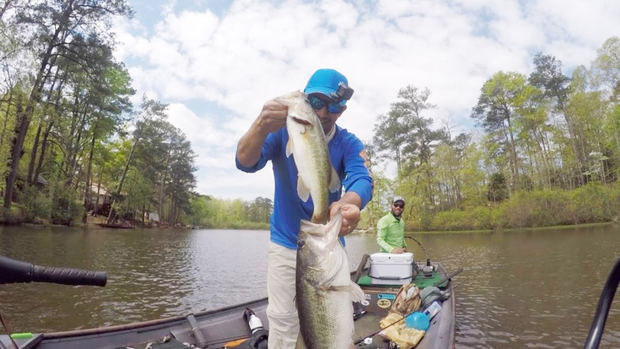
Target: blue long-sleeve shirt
347, 155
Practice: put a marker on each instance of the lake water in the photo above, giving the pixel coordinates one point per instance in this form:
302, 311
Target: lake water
535, 289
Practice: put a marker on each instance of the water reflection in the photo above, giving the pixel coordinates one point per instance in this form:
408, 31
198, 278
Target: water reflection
519, 289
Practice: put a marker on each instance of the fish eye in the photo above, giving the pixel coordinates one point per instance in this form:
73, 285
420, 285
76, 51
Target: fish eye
300, 244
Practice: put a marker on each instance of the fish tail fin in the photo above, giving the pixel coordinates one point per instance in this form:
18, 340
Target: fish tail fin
357, 294
289, 98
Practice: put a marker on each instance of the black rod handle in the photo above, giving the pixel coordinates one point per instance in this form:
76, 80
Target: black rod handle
13, 271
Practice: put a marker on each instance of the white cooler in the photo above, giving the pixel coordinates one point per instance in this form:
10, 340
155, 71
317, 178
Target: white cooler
391, 268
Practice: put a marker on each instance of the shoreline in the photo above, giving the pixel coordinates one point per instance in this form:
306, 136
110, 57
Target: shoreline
490, 231
94, 224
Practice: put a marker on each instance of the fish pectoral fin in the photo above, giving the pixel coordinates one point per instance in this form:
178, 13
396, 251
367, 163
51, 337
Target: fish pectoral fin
357, 294
334, 181
289, 147
339, 288
302, 190
300, 342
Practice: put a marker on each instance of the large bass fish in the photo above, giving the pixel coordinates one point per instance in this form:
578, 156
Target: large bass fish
324, 290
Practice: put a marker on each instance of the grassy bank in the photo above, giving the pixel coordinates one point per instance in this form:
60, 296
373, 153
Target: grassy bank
487, 231
593, 203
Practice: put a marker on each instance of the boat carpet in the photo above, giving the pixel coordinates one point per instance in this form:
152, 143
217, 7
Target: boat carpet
421, 281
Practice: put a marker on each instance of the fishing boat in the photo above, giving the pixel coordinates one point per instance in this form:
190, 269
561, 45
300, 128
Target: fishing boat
226, 327
229, 327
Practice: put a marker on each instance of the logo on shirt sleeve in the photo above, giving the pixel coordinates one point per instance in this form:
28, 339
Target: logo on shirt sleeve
365, 157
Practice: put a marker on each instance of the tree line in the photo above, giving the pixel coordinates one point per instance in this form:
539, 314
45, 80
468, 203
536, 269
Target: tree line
548, 154
71, 142
546, 150
211, 212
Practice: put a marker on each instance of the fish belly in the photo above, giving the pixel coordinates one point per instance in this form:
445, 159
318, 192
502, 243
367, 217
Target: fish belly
326, 318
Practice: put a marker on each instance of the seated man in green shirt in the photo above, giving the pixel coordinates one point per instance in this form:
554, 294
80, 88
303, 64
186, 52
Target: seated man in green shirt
391, 229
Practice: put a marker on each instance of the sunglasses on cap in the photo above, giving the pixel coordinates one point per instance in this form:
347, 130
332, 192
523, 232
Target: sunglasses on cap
399, 205
317, 104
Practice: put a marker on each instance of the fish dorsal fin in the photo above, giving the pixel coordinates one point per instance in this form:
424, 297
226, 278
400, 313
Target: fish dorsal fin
334, 181
289, 147
302, 190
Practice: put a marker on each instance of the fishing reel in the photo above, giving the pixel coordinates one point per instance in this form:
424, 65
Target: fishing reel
428, 269
258, 338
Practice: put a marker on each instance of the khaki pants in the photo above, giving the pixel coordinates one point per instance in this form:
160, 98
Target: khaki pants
281, 311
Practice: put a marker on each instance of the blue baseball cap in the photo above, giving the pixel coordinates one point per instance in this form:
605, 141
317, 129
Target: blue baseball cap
330, 83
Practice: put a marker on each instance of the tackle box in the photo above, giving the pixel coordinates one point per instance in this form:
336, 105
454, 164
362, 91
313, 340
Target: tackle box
391, 268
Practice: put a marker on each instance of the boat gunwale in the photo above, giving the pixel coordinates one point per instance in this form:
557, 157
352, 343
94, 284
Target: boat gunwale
148, 323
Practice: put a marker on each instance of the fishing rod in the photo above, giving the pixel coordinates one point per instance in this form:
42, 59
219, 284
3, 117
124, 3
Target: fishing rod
427, 269
435, 284
419, 244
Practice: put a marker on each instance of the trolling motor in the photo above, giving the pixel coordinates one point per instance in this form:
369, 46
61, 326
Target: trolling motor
258, 338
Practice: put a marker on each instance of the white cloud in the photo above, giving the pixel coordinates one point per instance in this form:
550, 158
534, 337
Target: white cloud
203, 129
255, 50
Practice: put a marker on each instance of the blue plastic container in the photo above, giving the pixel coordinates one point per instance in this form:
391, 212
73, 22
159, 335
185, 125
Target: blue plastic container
417, 320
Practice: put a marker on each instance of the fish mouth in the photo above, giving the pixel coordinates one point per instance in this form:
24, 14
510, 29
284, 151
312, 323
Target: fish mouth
301, 121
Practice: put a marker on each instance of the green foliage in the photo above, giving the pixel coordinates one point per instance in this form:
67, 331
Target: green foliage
404, 133
588, 204
475, 219
13, 215
595, 203
36, 205
550, 151
211, 212
67, 211
606, 67
497, 189
380, 202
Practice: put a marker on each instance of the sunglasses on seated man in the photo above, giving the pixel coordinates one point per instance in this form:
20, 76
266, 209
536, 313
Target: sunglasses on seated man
317, 103
399, 205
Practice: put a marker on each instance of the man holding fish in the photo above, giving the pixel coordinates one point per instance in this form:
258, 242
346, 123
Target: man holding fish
312, 160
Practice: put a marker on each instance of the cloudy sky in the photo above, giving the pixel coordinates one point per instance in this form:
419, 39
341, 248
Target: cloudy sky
215, 62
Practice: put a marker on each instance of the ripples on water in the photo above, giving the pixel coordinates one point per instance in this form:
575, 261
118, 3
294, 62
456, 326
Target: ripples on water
519, 289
